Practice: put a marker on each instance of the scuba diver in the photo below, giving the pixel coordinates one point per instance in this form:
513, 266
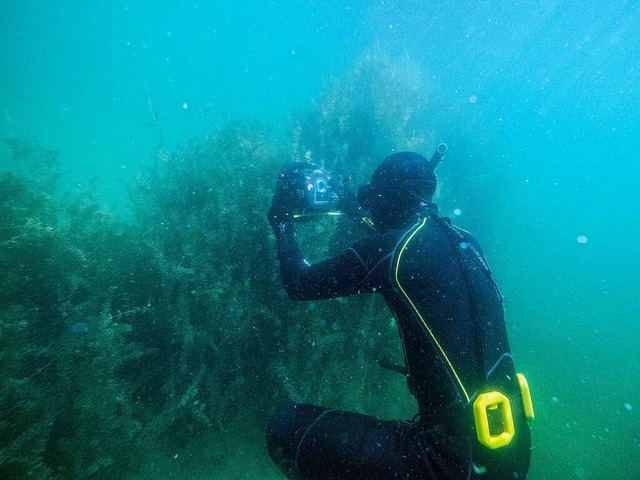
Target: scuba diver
472, 406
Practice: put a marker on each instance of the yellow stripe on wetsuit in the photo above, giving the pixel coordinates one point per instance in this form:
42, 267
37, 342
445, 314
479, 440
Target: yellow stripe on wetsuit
417, 312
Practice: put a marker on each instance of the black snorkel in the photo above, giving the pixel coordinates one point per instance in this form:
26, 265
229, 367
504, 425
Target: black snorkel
441, 151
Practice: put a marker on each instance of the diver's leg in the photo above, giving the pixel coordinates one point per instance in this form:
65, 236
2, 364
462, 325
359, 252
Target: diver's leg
286, 429
313, 443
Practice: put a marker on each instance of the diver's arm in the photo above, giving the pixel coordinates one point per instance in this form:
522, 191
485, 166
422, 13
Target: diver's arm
339, 276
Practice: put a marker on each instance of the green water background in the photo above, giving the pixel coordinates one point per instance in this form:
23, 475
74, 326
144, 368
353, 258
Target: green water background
538, 102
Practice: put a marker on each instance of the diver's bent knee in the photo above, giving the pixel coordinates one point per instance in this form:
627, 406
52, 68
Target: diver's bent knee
280, 437
280, 427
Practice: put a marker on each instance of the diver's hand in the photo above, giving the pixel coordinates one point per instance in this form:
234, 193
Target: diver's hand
285, 200
348, 203
279, 212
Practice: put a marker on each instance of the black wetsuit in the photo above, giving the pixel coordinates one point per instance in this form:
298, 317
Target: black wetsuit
436, 281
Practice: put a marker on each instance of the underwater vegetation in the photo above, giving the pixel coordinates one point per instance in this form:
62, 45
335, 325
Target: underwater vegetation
379, 107
123, 337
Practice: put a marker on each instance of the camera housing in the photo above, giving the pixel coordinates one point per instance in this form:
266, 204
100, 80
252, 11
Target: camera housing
315, 191
307, 191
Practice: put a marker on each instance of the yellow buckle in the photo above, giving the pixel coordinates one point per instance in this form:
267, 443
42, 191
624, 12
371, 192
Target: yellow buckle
526, 396
497, 406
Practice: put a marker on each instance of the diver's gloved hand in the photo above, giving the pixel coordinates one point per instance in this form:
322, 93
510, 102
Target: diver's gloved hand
348, 203
279, 212
285, 199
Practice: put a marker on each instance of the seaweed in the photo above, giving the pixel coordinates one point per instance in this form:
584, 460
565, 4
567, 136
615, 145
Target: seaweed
123, 338
61, 399
378, 108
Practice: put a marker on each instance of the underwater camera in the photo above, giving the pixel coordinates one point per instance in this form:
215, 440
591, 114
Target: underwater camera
312, 190
317, 193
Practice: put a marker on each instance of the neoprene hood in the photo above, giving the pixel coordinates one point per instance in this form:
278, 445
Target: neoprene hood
398, 188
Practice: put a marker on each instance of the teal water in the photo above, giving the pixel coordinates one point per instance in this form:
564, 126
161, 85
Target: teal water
538, 102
